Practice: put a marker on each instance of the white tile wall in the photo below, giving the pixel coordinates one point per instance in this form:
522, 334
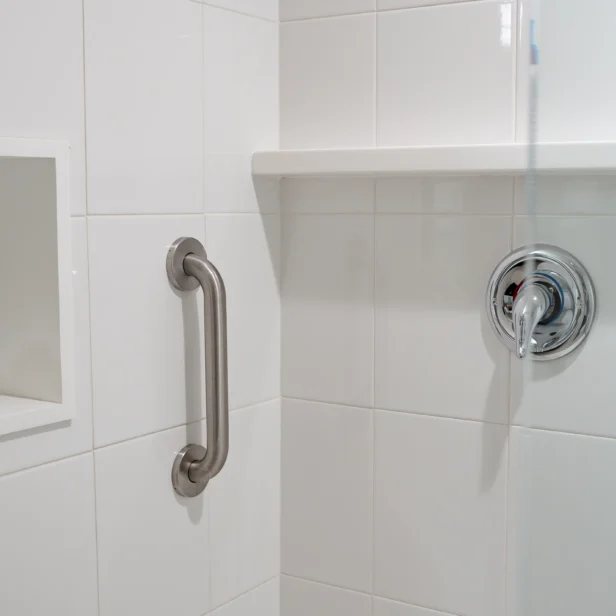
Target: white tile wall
440, 513
446, 75
41, 71
328, 196
445, 195
144, 101
327, 72
251, 277
245, 505
576, 91
327, 494
303, 598
266, 9
385, 5
153, 549
571, 394
327, 286
146, 356
385, 607
300, 9
435, 352
562, 509
240, 107
48, 540
262, 601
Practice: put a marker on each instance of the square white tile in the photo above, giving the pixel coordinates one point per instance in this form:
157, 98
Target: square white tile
440, 513
567, 194
41, 63
262, 601
577, 92
327, 494
300, 9
572, 394
562, 544
303, 598
145, 101
327, 72
153, 546
266, 9
435, 351
446, 75
445, 195
146, 337
327, 308
327, 196
385, 607
33, 447
245, 505
240, 108
48, 540
246, 250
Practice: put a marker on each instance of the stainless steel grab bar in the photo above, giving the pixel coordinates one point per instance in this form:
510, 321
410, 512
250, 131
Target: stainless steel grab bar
187, 269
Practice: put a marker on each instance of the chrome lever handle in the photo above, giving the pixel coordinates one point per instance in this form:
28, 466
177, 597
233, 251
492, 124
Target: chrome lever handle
188, 268
530, 306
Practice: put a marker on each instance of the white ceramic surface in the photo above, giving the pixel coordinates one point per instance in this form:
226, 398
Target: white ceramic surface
265, 9
572, 394
327, 493
386, 5
435, 351
446, 195
41, 67
246, 250
300, 9
144, 106
327, 308
240, 112
440, 513
446, 75
561, 542
568, 194
146, 338
262, 601
327, 82
153, 548
577, 92
245, 505
327, 196
48, 540
385, 607
304, 598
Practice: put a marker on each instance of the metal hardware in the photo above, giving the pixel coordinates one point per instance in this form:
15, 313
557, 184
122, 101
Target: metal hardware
541, 302
187, 269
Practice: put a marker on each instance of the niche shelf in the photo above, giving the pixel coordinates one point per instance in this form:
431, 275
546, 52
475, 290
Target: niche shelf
36, 297
505, 159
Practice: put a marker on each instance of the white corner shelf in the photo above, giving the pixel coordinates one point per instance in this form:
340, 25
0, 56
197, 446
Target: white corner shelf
37, 363
505, 159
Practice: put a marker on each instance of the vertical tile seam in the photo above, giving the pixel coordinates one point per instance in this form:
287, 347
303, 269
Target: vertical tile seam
375, 86
373, 413
517, 9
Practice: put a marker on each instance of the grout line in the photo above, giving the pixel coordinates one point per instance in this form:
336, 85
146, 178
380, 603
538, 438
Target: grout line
440, 4
373, 413
245, 592
37, 466
235, 11
507, 491
98, 572
375, 84
185, 423
324, 17
203, 114
516, 34
306, 579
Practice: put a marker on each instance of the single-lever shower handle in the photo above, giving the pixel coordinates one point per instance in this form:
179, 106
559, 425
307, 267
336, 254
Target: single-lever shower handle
530, 306
188, 268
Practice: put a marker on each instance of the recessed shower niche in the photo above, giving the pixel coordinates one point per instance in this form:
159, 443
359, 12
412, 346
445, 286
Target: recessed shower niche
36, 322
